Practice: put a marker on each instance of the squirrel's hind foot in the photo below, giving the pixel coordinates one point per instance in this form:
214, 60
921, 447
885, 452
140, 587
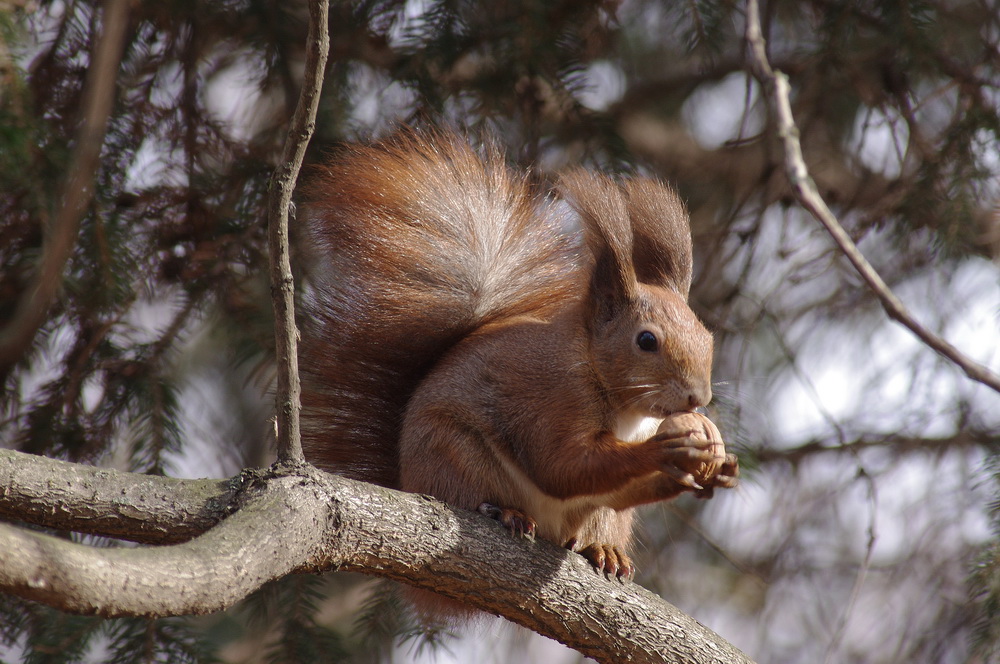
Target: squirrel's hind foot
610, 560
518, 522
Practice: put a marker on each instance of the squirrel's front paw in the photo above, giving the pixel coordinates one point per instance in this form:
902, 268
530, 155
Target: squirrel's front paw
610, 560
518, 522
694, 454
726, 478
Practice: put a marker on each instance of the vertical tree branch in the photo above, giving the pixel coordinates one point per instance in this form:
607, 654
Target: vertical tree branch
279, 203
777, 88
78, 191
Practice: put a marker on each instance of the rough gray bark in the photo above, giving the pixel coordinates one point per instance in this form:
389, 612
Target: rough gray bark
85, 499
269, 523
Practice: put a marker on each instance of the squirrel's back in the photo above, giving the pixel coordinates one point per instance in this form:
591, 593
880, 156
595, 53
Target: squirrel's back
410, 244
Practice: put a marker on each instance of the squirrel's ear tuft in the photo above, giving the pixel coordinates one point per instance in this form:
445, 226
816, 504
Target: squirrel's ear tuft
602, 205
661, 235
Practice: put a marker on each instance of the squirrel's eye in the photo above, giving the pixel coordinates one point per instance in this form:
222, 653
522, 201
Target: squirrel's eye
647, 341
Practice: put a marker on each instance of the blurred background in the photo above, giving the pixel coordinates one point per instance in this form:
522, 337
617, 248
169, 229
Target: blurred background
864, 527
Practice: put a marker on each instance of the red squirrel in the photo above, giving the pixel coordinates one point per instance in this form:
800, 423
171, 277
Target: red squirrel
460, 340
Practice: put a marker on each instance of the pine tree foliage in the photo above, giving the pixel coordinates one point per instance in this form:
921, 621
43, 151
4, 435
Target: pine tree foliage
288, 609
164, 299
984, 583
50, 636
382, 614
40, 635
147, 640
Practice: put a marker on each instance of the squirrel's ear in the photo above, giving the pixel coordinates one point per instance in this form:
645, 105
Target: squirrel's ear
661, 235
602, 205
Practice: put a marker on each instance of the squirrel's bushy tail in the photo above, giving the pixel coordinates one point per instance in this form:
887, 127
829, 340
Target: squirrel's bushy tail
410, 244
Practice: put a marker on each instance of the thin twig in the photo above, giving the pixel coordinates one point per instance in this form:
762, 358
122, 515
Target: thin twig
862, 575
738, 565
280, 199
98, 97
776, 85
897, 445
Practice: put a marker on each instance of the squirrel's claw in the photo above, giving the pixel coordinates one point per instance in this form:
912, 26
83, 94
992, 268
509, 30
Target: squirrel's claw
726, 478
609, 560
518, 522
682, 477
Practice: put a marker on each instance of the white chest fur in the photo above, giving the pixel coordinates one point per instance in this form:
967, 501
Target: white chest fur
635, 427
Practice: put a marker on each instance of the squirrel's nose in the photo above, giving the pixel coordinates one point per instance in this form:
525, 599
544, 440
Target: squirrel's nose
699, 396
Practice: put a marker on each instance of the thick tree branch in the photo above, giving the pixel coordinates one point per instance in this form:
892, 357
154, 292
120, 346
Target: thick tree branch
141, 508
78, 191
776, 86
269, 537
279, 203
311, 522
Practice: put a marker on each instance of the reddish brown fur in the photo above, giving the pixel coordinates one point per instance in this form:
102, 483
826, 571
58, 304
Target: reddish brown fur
395, 281
456, 344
